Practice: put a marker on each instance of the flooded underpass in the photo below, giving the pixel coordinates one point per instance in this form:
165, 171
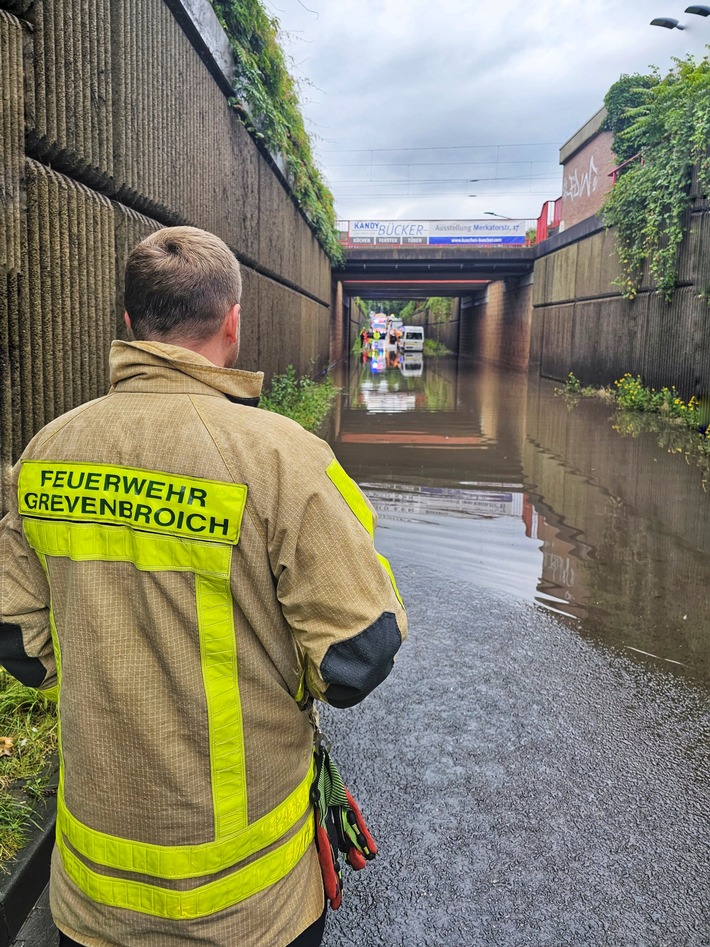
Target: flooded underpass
537, 767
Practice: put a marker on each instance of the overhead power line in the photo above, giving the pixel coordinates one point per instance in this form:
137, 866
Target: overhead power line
386, 195
434, 164
400, 181
529, 144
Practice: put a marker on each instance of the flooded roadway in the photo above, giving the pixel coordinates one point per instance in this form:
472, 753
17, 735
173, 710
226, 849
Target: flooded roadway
537, 767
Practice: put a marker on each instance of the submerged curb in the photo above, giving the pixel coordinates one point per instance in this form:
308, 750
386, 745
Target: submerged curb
28, 873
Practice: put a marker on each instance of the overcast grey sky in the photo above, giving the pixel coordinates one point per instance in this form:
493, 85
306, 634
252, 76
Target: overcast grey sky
414, 105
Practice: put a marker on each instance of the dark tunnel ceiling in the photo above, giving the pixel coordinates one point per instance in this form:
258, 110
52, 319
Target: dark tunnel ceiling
411, 289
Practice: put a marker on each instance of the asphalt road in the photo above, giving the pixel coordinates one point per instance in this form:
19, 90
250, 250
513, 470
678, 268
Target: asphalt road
526, 786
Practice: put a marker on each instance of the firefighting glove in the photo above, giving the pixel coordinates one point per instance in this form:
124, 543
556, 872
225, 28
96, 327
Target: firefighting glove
339, 824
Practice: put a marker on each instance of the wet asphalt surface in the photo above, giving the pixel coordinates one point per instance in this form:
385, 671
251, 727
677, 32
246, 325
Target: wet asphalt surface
526, 786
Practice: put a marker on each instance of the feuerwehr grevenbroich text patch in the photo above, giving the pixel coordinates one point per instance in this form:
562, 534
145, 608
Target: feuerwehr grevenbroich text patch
130, 496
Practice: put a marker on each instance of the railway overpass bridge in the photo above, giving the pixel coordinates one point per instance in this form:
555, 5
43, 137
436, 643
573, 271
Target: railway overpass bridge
491, 283
414, 272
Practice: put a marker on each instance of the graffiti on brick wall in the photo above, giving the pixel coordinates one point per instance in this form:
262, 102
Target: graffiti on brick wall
575, 186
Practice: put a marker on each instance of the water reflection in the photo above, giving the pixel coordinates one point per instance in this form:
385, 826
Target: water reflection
492, 478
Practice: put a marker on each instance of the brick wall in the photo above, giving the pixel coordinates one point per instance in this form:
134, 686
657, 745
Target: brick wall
585, 179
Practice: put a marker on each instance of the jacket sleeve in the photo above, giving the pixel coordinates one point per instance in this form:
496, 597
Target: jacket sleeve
337, 594
25, 638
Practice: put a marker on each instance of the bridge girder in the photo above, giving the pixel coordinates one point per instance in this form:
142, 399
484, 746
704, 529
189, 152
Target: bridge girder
404, 272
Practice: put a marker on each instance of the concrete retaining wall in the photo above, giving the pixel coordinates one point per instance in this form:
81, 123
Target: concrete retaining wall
565, 469
497, 325
582, 324
114, 121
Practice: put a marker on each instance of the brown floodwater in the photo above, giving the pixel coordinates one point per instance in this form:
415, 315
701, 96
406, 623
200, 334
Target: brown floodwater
496, 479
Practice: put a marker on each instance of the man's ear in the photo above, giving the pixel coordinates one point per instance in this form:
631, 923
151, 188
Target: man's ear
231, 323
127, 320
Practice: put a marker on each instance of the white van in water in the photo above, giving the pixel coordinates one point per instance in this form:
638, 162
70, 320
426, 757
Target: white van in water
412, 338
411, 364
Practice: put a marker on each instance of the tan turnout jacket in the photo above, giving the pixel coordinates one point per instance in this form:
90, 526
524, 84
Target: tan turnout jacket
189, 569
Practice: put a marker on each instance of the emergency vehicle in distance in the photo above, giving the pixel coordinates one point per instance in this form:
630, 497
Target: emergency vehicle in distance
411, 339
385, 329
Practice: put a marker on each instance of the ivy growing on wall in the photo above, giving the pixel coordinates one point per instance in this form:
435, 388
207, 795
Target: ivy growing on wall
665, 121
266, 91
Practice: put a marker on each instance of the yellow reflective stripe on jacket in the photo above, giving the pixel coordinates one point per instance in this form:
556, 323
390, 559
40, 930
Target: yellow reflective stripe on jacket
86, 542
185, 861
234, 838
198, 902
352, 495
149, 500
218, 653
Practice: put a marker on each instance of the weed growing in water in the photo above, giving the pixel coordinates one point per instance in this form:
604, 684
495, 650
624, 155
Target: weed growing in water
435, 348
632, 395
681, 427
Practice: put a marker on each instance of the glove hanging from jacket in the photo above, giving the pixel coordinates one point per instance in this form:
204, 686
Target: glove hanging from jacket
340, 826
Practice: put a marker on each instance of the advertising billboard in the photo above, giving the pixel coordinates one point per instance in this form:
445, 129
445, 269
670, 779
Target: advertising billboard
407, 233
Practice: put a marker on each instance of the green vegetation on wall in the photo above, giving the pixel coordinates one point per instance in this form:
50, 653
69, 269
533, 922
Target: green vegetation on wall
665, 121
265, 90
440, 308
388, 306
628, 92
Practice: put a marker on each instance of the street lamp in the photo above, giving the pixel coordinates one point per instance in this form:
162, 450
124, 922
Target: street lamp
668, 22
698, 10
493, 214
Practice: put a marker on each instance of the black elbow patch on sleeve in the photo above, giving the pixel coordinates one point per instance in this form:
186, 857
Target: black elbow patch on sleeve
355, 667
14, 658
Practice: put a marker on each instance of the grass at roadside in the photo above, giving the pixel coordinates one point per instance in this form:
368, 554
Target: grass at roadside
300, 398
28, 736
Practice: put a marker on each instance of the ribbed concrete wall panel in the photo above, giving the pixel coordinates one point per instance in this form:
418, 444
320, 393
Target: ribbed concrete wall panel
540, 268
278, 249
279, 328
70, 121
677, 343
557, 335
250, 319
694, 260
130, 228
180, 153
597, 266
112, 96
692, 242
12, 140
537, 321
310, 266
561, 275
69, 316
315, 335
326, 273
240, 191
11, 376
607, 339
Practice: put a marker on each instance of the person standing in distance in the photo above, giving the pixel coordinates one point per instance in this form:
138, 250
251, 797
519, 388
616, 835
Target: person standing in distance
188, 573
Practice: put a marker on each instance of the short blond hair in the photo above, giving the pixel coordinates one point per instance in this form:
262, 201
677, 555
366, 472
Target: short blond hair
180, 283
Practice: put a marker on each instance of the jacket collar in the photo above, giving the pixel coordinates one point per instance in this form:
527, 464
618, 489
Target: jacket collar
159, 367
